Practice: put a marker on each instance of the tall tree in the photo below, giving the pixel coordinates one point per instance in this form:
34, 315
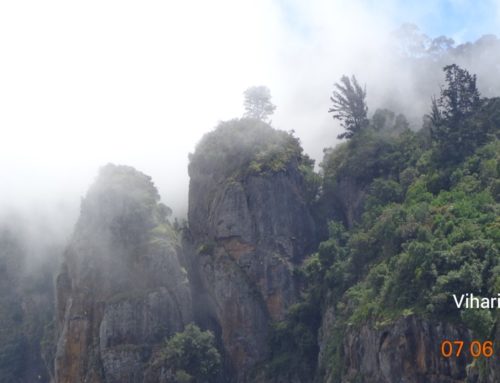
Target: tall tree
460, 98
349, 106
451, 114
258, 103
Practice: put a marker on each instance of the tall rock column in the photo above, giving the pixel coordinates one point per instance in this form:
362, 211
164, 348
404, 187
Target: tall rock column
121, 289
250, 224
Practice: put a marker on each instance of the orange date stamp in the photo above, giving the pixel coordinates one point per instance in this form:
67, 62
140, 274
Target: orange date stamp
475, 348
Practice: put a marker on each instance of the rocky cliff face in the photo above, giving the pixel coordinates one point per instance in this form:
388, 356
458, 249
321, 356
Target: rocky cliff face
407, 350
250, 226
121, 289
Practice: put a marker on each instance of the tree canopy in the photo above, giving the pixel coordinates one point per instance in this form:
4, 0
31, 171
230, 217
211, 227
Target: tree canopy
192, 355
349, 106
258, 103
451, 114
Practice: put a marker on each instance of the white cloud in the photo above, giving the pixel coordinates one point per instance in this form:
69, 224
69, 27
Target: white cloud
86, 83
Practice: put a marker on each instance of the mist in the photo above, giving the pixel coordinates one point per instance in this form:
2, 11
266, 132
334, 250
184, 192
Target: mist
83, 85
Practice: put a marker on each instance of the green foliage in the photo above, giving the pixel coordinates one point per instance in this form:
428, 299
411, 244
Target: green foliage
191, 355
480, 321
349, 106
334, 352
239, 147
460, 98
461, 121
429, 230
293, 343
435, 245
274, 158
382, 192
389, 155
429, 227
368, 156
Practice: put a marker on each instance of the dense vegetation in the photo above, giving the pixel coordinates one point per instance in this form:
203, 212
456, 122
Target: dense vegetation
408, 218
191, 356
428, 226
242, 147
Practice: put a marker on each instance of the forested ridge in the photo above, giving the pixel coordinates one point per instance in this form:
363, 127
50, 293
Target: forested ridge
415, 220
283, 271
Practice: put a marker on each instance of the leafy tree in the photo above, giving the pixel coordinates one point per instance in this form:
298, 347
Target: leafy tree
349, 106
192, 355
451, 113
258, 103
460, 98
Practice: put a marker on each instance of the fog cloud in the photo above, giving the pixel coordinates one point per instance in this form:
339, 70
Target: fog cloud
139, 83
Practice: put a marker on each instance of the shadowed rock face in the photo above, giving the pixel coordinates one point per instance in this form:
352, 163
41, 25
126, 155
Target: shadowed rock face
121, 288
249, 228
407, 350
491, 370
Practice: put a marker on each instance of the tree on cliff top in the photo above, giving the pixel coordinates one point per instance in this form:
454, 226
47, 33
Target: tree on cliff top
258, 103
349, 106
451, 113
460, 98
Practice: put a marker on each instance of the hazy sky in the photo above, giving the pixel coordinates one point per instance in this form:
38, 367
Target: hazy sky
139, 82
